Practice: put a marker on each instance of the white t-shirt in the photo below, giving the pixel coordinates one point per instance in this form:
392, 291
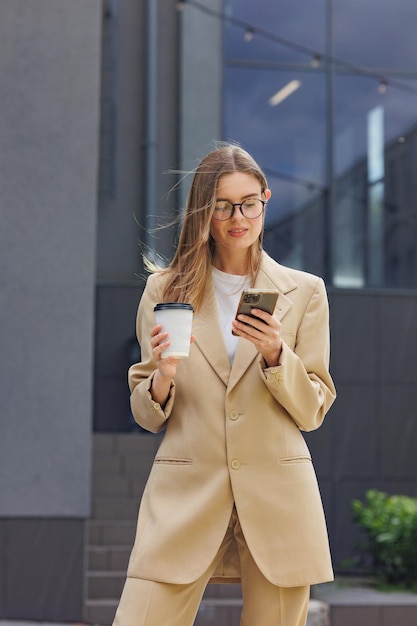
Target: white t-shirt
228, 288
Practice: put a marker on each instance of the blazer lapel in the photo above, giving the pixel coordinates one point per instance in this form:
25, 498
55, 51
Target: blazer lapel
266, 279
209, 336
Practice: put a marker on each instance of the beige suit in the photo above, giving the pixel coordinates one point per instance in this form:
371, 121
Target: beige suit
233, 437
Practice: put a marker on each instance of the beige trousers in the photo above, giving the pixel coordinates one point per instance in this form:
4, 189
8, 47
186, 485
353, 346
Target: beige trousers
149, 603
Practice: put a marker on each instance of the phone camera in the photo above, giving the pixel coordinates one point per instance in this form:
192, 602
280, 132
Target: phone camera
252, 298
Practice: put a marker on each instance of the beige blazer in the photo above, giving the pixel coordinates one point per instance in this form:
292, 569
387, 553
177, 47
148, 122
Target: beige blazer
233, 437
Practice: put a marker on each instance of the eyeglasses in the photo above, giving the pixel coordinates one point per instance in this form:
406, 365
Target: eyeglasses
251, 209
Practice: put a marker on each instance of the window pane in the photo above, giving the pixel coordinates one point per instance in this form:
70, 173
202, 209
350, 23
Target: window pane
284, 141
374, 229
344, 186
294, 24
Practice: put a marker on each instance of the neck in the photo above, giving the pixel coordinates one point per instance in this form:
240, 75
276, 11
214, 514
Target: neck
236, 264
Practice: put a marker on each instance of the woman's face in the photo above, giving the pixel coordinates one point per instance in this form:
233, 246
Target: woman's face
238, 232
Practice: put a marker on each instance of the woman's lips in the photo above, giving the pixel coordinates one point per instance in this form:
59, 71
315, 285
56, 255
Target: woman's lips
238, 232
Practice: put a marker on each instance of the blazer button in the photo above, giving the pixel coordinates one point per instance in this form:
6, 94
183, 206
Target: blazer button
235, 464
233, 415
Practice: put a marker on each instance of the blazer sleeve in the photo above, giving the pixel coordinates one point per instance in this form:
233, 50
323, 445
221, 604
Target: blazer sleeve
301, 382
147, 413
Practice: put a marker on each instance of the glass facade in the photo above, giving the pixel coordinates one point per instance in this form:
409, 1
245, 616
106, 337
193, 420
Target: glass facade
324, 95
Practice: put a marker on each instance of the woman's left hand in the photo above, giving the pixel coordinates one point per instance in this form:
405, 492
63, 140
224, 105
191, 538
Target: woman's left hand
265, 335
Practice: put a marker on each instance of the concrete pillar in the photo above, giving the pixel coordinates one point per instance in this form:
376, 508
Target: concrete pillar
50, 91
201, 73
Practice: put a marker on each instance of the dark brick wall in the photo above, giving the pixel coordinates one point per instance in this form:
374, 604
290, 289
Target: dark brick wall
369, 437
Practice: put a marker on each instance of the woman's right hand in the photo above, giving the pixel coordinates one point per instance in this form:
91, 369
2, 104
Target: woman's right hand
167, 367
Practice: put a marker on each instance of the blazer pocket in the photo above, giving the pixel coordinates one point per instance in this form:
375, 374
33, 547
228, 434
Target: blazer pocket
301, 458
166, 460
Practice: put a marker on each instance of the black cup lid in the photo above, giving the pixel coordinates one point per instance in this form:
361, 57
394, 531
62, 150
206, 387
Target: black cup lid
173, 305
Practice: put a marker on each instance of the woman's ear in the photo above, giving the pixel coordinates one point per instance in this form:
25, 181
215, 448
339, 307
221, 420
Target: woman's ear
267, 194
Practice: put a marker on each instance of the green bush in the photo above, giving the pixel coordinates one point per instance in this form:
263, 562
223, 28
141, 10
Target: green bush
390, 524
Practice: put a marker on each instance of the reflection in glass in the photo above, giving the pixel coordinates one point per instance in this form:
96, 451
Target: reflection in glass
376, 173
349, 213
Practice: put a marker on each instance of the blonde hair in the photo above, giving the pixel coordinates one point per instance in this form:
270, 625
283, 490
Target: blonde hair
187, 274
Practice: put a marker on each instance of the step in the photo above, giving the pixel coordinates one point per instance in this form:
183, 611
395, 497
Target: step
137, 466
122, 464
210, 613
107, 465
125, 444
111, 532
105, 585
223, 591
100, 612
116, 509
318, 614
137, 443
358, 601
118, 466
120, 486
108, 558
104, 442
105, 486
219, 612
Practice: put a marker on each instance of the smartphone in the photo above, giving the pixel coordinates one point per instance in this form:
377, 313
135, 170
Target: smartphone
264, 299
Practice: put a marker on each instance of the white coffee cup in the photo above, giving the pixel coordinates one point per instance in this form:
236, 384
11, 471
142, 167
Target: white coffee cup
176, 318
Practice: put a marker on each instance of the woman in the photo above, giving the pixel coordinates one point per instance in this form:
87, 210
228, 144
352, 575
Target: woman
232, 495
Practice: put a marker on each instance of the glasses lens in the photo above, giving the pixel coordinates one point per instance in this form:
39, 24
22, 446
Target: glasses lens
223, 210
252, 208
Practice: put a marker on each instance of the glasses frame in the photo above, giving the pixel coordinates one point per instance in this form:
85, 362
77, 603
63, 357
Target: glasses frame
240, 204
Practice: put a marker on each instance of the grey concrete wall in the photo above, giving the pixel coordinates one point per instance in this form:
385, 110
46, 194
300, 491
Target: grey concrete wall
49, 85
